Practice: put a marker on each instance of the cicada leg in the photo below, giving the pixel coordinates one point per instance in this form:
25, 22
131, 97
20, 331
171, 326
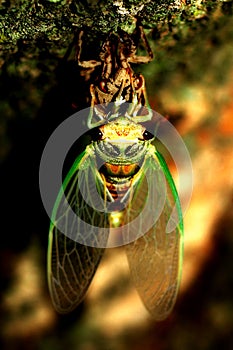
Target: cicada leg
128, 48
84, 64
149, 56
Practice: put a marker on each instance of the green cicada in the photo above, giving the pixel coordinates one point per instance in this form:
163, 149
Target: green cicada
119, 187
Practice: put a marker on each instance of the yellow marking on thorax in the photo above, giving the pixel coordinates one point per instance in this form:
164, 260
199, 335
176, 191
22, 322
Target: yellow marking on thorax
122, 130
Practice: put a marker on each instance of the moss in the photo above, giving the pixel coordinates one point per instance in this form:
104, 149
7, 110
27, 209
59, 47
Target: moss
54, 21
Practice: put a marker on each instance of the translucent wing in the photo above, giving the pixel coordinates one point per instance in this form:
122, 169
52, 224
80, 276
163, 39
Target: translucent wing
71, 265
155, 259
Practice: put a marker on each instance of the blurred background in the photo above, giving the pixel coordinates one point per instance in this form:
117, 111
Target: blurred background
190, 82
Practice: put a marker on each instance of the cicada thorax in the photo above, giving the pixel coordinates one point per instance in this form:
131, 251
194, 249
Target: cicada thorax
120, 153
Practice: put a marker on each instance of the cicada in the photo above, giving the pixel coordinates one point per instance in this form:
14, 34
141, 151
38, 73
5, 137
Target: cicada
118, 187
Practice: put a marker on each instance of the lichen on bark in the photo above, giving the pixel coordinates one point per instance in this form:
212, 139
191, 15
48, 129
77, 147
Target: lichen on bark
51, 23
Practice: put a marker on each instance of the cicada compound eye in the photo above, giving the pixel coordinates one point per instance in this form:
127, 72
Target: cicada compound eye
147, 135
96, 134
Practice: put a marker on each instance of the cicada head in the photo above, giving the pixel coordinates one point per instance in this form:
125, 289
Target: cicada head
122, 141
